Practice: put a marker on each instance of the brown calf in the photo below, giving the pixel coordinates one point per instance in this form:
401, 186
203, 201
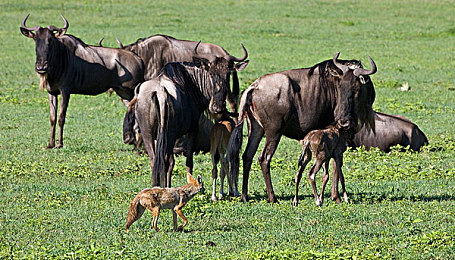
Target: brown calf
219, 139
324, 145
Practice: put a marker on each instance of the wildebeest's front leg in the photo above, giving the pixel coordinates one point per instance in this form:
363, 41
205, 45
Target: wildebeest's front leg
61, 118
271, 143
335, 195
53, 104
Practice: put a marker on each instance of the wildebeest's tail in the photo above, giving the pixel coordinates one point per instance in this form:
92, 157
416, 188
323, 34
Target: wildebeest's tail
235, 142
135, 212
128, 123
159, 165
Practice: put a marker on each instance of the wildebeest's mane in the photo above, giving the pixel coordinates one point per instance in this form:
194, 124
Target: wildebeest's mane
77, 39
178, 73
138, 41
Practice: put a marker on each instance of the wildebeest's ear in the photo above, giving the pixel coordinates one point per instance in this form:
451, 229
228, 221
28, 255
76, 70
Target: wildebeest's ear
201, 62
241, 65
27, 33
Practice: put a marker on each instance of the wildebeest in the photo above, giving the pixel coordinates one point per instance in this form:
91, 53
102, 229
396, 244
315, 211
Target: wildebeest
169, 106
219, 139
390, 130
324, 144
293, 102
158, 50
66, 65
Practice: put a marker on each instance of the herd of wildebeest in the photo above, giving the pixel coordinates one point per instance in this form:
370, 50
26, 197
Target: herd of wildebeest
176, 93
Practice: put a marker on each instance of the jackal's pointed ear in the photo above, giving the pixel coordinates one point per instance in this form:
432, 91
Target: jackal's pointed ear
199, 179
189, 177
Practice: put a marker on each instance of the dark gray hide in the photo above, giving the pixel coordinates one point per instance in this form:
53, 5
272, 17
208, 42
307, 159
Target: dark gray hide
390, 130
294, 102
66, 65
158, 50
170, 105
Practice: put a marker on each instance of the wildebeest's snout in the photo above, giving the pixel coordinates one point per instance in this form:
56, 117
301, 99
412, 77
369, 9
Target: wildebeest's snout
41, 66
217, 107
344, 123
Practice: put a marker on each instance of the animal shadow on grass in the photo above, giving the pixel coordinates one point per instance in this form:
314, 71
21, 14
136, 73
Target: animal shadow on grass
372, 198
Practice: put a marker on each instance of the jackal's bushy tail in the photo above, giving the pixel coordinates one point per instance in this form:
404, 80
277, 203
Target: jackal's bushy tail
135, 212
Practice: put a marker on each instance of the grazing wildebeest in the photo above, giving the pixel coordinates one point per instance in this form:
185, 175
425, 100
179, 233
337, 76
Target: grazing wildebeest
66, 65
169, 106
324, 144
293, 102
390, 130
219, 139
158, 50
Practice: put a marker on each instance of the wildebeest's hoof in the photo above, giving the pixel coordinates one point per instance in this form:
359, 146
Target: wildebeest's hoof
220, 196
49, 147
244, 198
336, 199
273, 200
59, 146
213, 198
318, 202
295, 203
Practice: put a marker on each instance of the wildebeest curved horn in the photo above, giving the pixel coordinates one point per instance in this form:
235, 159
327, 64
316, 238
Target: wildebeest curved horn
197, 45
27, 28
245, 55
119, 43
65, 27
100, 42
342, 67
364, 72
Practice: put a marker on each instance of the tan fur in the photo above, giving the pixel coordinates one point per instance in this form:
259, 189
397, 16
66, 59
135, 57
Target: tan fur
219, 139
324, 145
157, 198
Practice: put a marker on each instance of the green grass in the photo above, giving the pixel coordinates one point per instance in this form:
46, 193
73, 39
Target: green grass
72, 202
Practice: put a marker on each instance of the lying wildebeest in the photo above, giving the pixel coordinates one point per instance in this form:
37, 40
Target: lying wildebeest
390, 130
169, 106
293, 102
219, 139
325, 144
66, 65
158, 50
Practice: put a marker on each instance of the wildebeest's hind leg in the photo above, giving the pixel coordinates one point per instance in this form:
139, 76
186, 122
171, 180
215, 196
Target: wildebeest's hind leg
215, 159
65, 98
271, 143
325, 178
304, 159
312, 174
255, 135
53, 104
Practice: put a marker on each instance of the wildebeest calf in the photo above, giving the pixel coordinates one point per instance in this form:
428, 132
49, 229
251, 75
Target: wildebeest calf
390, 130
324, 144
219, 139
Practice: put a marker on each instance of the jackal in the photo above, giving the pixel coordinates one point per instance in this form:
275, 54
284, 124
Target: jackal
158, 198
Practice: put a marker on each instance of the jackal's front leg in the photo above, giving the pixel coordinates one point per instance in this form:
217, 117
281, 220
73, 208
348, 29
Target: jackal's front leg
179, 212
156, 214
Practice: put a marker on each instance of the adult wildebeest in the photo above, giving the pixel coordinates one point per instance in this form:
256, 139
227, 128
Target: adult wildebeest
322, 145
158, 50
390, 130
169, 106
293, 102
66, 65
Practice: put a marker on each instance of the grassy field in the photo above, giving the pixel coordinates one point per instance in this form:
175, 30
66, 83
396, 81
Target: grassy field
72, 202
